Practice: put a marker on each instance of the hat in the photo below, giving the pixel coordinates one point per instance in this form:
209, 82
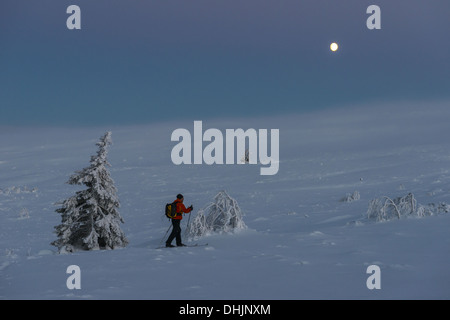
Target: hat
180, 196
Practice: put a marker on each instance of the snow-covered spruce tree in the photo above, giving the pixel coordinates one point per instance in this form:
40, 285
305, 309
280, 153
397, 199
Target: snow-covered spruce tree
90, 218
221, 216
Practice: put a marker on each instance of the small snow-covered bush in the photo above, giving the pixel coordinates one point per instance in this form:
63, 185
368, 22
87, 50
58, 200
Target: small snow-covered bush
385, 208
24, 214
351, 197
17, 190
198, 227
221, 216
439, 208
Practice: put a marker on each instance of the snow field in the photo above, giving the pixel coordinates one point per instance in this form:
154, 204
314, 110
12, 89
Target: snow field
302, 241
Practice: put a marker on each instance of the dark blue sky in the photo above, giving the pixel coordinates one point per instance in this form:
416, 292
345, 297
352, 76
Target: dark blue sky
138, 61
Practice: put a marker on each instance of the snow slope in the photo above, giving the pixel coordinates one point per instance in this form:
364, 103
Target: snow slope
302, 241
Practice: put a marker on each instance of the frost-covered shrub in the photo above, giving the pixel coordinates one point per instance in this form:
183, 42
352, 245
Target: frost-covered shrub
17, 190
90, 218
221, 216
385, 208
436, 209
198, 228
24, 214
351, 197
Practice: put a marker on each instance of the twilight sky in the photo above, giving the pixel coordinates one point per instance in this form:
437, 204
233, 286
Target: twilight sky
137, 61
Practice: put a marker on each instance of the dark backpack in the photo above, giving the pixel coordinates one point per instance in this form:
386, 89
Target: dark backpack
171, 210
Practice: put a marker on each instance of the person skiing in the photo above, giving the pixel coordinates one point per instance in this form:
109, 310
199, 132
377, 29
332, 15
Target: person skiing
176, 229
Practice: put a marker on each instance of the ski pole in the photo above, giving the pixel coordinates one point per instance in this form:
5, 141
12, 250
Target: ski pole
189, 219
164, 235
187, 226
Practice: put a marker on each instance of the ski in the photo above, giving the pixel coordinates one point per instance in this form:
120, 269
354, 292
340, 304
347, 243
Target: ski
197, 245
187, 246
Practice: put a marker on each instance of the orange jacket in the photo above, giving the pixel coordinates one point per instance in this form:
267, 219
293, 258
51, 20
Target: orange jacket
181, 209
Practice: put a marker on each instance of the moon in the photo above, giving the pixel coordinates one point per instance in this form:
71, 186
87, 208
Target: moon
334, 46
